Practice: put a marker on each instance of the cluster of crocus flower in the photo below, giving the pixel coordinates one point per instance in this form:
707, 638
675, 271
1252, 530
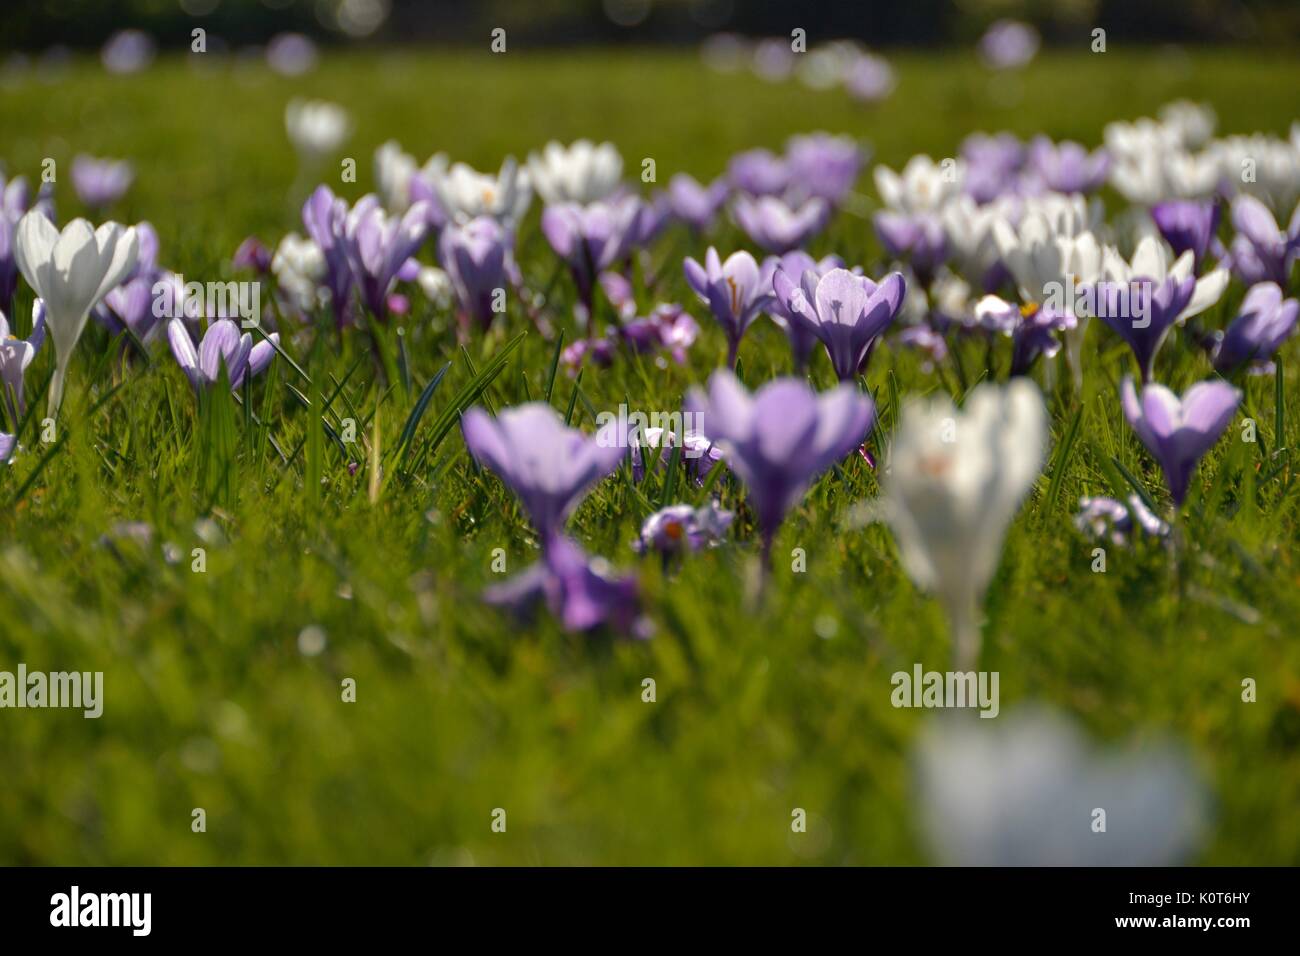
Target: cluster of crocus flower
680, 528
1118, 522
847, 64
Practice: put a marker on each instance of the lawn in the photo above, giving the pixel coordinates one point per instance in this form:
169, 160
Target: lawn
766, 700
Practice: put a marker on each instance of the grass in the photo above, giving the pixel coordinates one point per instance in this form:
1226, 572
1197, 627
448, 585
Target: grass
762, 706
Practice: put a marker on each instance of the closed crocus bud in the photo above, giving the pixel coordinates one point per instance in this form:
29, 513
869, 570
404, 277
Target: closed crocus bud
71, 271
378, 247
953, 481
475, 257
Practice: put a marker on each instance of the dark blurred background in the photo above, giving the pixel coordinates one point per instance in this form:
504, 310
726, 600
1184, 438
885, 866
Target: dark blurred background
34, 25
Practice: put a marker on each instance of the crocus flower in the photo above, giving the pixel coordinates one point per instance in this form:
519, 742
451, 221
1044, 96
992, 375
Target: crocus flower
8, 443
1106, 519
923, 186
1264, 321
291, 54
1022, 790
796, 263
100, 182
1261, 252
131, 304
953, 482
581, 592
1068, 167
694, 204
1155, 261
1008, 44
15, 355
378, 246
300, 275
316, 128
869, 78
1178, 432
758, 172
127, 51
1143, 312
547, 464
221, 346
698, 456
993, 164
776, 227
846, 312
823, 166
579, 173
1187, 224
733, 291
324, 217
475, 256
461, 193
592, 238
667, 327
14, 203
394, 169
779, 439
71, 270
679, 528
1033, 330
253, 256
919, 240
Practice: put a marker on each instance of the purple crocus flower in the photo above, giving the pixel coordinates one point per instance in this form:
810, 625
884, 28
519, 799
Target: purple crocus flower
776, 227
127, 51
993, 165
698, 456
869, 78
378, 246
100, 182
796, 263
1068, 167
1179, 432
1142, 312
758, 172
679, 528
131, 304
1109, 520
592, 238
667, 327
547, 464
1264, 321
733, 290
475, 256
1261, 252
846, 312
823, 166
222, 345
1187, 224
1008, 44
324, 217
1034, 331
14, 203
694, 204
253, 256
779, 439
7, 445
919, 240
582, 593
15, 355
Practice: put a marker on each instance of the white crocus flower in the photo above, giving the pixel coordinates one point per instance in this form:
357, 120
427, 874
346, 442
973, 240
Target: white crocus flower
1050, 253
465, 193
582, 172
1024, 791
968, 228
923, 186
1192, 123
299, 269
394, 168
316, 128
1266, 167
954, 482
1154, 259
71, 270
436, 285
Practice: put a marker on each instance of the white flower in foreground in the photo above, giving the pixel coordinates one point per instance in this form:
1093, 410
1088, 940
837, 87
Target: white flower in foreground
954, 481
394, 168
464, 193
1154, 259
923, 186
316, 128
1024, 791
71, 270
582, 172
